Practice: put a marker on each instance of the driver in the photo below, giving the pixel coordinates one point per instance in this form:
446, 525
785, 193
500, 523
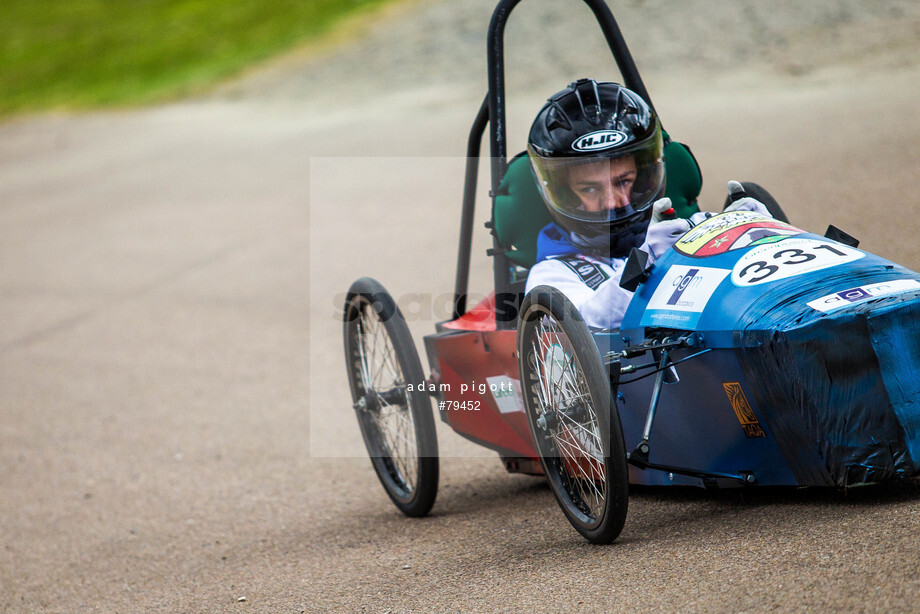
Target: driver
596, 151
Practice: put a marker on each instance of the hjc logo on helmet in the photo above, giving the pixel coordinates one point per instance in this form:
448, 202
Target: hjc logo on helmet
596, 141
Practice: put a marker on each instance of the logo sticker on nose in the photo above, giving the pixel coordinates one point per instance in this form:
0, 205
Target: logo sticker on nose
682, 282
682, 296
598, 141
862, 294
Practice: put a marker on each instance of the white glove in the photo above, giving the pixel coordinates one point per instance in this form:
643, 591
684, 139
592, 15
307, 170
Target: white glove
745, 204
662, 233
659, 207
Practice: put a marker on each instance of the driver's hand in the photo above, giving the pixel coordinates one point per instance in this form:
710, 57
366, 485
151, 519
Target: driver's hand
746, 203
662, 232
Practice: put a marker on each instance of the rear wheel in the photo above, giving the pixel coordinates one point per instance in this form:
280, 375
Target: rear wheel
396, 422
575, 426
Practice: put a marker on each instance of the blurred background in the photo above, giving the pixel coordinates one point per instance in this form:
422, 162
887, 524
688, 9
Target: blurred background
187, 189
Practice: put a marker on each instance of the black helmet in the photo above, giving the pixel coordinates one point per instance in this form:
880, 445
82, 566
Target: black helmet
596, 149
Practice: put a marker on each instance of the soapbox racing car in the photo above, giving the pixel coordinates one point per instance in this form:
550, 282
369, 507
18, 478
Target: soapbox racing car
752, 353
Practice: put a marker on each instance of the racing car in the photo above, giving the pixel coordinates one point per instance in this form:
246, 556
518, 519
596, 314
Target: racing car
753, 353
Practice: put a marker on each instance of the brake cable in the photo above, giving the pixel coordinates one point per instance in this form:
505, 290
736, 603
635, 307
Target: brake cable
667, 366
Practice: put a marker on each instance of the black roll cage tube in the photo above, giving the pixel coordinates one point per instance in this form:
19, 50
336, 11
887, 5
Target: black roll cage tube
494, 107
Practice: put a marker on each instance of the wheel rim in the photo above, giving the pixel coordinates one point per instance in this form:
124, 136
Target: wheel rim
388, 419
568, 427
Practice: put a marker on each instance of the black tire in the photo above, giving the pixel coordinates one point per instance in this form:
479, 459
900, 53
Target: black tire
574, 424
396, 424
758, 192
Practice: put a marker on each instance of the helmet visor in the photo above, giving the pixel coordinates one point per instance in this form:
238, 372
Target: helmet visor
601, 188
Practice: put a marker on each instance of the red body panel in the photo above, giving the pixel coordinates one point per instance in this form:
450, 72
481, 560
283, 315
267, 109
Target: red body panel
480, 317
466, 361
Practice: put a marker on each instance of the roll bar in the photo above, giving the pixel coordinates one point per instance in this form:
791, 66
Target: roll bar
492, 112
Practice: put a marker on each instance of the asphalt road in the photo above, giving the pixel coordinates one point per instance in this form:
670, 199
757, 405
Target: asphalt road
175, 430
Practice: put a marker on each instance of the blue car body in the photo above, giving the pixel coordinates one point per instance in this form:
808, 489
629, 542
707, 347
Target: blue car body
806, 371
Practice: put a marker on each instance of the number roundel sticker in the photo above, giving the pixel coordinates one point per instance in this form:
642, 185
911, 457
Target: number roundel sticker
789, 258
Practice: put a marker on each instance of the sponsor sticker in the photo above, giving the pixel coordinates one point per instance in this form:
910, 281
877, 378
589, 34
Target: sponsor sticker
507, 393
732, 230
789, 258
743, 410
590, 273
682, 295
599, 140
862, 294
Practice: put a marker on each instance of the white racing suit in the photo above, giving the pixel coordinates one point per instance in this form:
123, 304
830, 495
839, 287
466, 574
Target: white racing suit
592, 283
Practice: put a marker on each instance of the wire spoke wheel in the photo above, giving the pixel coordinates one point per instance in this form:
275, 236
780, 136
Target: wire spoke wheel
574, 424
396, 422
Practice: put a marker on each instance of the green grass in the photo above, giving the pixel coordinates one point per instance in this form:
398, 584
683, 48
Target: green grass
79, 54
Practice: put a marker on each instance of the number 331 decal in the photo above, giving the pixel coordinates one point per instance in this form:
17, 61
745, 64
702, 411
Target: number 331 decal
789, 258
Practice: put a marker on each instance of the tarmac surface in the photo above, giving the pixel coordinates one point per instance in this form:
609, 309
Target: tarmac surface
175, 427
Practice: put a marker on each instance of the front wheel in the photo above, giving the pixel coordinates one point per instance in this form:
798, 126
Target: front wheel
574, 424
395, 417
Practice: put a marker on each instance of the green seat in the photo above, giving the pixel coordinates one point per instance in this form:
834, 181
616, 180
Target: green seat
520, 213
683, 178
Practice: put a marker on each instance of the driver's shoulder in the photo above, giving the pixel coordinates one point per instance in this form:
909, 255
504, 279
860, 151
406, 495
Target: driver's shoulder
571, 268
